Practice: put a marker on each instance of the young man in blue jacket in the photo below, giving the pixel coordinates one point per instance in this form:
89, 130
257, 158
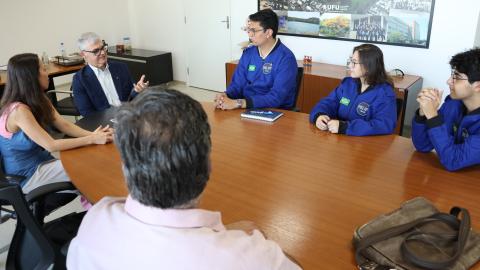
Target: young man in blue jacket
266, 74
454, 129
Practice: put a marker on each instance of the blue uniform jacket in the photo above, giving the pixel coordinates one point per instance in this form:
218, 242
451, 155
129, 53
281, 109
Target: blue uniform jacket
454, 133
269, 83
372, 112
88, 94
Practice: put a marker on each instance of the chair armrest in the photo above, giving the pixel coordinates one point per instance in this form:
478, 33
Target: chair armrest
59, 91
44, 190
14, 179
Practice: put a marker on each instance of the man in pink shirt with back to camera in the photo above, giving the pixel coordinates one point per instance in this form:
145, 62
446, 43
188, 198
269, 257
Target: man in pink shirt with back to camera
164, 141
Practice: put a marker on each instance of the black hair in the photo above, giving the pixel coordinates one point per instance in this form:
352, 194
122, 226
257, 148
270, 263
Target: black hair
468, 63
371, 58
164, 140
23, 86
267, 18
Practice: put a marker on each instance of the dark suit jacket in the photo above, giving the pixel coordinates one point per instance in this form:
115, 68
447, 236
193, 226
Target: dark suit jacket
88, 94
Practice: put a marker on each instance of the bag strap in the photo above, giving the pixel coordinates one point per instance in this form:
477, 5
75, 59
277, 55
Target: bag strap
463, 227
365, 242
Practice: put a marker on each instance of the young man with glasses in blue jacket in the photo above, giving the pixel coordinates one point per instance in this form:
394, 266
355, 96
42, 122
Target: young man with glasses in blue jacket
454, 129
266, 74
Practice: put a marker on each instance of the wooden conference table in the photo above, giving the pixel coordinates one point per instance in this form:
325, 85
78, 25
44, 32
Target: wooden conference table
307, 189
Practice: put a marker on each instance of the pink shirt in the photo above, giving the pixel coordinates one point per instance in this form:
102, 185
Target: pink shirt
125, 234
3, 120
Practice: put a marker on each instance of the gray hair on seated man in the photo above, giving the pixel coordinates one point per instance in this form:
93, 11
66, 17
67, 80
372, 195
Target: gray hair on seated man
86, 39
164, 141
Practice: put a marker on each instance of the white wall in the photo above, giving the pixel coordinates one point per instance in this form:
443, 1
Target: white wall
40, 26
240, 9
159, 25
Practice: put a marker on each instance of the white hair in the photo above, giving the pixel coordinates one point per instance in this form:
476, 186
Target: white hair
87, 39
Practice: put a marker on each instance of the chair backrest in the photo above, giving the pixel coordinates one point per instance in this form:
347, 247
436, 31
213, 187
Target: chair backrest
64, 106
12, 179
298, 85
30, 247
399, 107
2, 171
400, 110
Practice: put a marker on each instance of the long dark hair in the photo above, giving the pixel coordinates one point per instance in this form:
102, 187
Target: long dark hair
23, 86
371, 58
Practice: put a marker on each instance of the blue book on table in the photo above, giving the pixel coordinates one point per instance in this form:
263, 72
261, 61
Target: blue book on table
264, 115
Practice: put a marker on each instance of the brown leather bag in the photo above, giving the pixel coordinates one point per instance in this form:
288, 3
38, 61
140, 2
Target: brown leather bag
417, 236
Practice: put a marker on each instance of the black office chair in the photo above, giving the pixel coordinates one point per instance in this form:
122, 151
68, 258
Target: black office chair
10, 178
41, 201
399, 107
297, 92
64, 106
51, 202
35, 244
5, 213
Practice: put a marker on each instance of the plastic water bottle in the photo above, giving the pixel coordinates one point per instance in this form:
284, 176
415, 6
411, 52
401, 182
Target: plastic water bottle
126, 44
63, 53
45, 59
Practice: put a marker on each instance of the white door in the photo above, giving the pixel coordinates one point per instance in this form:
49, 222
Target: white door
208, 42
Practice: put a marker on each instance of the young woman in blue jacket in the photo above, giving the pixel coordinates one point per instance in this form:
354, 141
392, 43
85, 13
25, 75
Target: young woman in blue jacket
363, 104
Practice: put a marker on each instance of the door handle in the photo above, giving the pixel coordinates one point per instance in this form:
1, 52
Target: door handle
227, 21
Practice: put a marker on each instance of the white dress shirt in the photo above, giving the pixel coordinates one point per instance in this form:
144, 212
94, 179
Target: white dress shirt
106, 81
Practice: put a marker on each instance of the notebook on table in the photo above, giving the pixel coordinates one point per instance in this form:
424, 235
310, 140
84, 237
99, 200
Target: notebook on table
264, 115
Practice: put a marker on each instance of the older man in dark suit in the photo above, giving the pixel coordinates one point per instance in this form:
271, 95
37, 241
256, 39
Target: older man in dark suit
101, 83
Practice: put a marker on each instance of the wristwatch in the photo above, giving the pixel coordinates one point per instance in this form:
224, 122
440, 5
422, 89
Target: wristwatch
239, 103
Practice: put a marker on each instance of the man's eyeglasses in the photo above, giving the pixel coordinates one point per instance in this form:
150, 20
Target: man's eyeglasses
350, 61
97, 51
456, 76
251, 30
